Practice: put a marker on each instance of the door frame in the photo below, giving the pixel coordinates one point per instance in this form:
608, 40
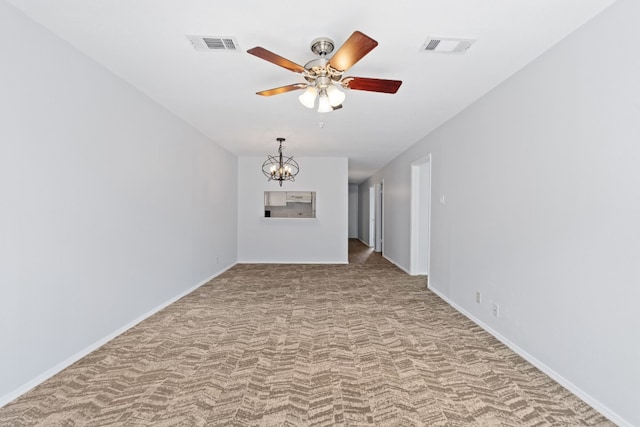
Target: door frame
418, 217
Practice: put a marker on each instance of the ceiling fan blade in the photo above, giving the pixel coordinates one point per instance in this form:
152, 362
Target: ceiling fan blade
263, 53
282, 89
371, 85
352, 51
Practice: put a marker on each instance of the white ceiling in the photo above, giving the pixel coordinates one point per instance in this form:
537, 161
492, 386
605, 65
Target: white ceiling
143, 42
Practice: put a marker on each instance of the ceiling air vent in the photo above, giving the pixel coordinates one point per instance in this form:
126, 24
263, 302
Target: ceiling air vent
446, 45
214, 43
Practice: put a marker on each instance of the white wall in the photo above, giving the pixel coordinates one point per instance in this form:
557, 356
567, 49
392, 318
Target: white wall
542, 188
109, 204
353, 211
363, 213
319, 240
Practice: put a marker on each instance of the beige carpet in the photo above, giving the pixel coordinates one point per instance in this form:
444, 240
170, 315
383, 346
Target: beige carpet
292, 345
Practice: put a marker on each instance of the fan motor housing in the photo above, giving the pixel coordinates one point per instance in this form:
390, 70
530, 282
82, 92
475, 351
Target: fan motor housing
318, 68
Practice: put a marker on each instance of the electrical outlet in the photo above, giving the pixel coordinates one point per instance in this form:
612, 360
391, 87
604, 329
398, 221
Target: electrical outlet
478, 297
496, 310
217, 260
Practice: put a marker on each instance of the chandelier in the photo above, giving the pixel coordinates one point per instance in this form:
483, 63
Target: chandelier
280, 168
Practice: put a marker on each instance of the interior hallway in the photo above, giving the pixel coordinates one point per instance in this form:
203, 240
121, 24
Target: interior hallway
359, 253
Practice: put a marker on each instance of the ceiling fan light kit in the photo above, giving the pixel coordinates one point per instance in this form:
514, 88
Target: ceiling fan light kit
324, 106
308, 97
324, 75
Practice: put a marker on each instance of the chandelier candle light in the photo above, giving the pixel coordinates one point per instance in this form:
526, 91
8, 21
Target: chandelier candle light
280, 168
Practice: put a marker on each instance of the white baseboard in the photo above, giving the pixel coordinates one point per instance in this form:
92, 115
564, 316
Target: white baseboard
365, 243
82, 353
296, 262
611, 415
396, 264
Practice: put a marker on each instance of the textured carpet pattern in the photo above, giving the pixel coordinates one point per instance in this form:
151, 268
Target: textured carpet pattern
291, 345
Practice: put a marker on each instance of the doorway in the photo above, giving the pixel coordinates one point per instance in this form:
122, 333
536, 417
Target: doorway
420, 216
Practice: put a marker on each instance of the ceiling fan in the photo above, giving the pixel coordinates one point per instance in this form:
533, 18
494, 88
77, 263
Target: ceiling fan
323, 75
